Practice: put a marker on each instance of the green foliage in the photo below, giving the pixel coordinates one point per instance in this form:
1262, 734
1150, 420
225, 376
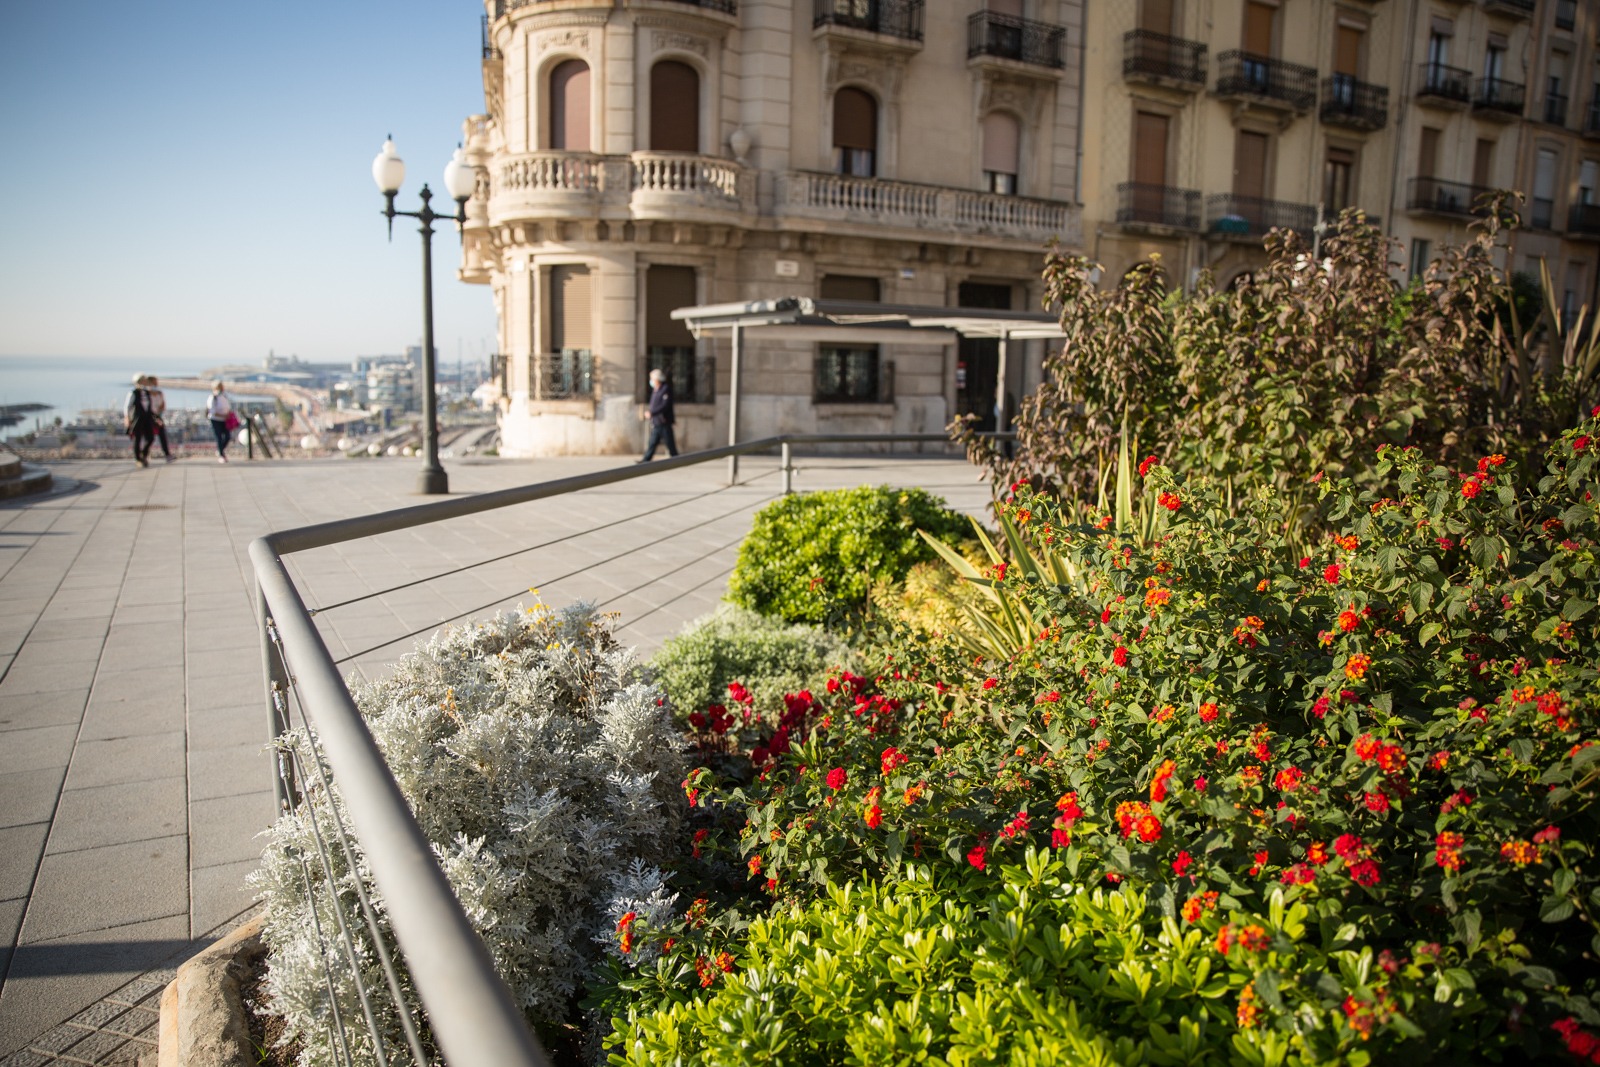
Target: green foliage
1394, 731
768, 656
814, 557
1305, 368
1028, 968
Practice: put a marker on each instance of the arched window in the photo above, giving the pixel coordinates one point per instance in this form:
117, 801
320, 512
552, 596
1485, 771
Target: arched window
674, 107
1002, 142
569, 106
855, 133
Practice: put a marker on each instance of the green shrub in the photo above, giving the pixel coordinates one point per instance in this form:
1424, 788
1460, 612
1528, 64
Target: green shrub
1395, 730
813, 557
768, 656
1027, 968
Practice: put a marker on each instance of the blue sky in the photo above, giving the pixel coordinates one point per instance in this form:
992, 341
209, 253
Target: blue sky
193, 179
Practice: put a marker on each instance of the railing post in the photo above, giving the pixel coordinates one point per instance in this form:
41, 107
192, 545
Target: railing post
733, 406
788, 470
277, 690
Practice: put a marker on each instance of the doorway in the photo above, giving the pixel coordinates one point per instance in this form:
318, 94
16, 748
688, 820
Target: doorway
978, 358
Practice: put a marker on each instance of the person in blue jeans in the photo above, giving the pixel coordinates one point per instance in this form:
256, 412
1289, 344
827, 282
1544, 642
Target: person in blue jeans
661, 417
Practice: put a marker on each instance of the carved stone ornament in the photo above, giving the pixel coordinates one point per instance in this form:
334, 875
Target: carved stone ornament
670, 41
1024, 98
883, 73
567, 39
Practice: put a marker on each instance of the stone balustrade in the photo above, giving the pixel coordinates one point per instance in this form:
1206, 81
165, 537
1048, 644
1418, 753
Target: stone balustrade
906, 205
643, 185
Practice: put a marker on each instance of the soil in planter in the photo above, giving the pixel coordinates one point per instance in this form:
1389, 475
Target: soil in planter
266, 1028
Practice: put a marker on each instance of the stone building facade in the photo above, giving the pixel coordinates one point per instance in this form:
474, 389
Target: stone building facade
1215, 120
640, 155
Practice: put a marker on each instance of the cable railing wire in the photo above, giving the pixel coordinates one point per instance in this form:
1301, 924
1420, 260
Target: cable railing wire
631, 550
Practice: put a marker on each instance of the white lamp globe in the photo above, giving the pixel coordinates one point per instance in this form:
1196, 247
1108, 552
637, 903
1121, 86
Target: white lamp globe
458, 177
388, 169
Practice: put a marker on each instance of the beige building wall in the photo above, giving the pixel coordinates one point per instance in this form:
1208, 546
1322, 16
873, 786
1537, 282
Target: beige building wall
759, 209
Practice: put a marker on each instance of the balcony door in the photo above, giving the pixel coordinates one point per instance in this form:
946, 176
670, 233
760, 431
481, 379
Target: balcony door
978, 358
1250, 166
855, 133
1260, 24
569, 106
674, 107
1347, 48
1157, 16
1002, 148
1483, 163
1151, 134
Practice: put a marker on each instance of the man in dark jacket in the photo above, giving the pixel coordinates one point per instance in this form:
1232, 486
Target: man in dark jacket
661, 417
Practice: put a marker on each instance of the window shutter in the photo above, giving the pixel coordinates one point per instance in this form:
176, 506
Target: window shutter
571, 309
666, 290
569, 106
1006, 7
674, 107
1150, 148
1428, 152
1347, 52
1482, 163
849, 287
1258, 20
855, 120
1156, 16
1001, 142
1250, 165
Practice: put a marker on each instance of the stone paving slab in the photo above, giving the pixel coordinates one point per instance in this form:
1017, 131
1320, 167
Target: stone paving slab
133, 777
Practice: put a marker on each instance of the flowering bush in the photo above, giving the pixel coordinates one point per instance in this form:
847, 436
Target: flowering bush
1394, 732
544, 772
813, 557
768, 656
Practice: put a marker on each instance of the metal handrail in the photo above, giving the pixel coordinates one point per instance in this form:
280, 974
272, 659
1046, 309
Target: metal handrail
475, 1020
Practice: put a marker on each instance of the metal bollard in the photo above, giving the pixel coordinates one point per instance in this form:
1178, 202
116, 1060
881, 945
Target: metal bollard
788, 470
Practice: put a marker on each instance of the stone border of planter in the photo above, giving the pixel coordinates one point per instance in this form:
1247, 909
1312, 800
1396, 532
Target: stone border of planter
202, 1009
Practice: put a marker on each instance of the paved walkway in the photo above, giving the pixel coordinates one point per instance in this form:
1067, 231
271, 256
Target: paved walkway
133, 779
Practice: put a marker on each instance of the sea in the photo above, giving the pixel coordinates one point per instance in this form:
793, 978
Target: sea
70, 384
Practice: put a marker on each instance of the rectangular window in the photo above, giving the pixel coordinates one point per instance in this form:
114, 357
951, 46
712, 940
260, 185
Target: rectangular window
1542, 213
998, 182
669, 346
1428, 152
1569, 293
1421, 251
847, 374
1483, 164
1338, 178
861, 288
1250, 165
567, 370
1588, 171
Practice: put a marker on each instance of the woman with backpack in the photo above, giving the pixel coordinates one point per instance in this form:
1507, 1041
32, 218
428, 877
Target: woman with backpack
224, 420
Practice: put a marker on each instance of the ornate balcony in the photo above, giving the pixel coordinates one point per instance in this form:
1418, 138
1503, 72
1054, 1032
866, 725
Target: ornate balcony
1442, 86
1356, 104
1515, 8
856, 202
1162, 60
1498, 98
1583, 220
1430, 196
1231, 217
900, 19
1266, 81
675, 186
565, 375
991, 34
1144, 206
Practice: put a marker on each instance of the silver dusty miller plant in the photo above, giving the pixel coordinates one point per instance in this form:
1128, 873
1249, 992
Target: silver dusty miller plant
544, 768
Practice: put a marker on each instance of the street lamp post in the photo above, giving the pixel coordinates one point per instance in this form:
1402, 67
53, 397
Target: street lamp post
389, 172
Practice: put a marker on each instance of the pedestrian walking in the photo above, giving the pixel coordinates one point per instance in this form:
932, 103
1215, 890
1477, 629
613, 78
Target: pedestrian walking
158, 405
224, 420
141, 421
661, 417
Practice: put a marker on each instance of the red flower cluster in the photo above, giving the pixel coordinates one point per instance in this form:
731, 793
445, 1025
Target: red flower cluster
1119, 656
1135, 816
1580, 1042
1447, 850
1157, 597
1149, 461
1348, 620
1289, 779
977, 857
715, 717
625, 928
1520, 853
1330, 574
1170, 501
892, 758
1471, 488
1245, 633
837, 778
1016, 827
1207, 712
699, 840
1060, 834
1198, 904
1299, 874
1250, 938
1158, 784
1356, 667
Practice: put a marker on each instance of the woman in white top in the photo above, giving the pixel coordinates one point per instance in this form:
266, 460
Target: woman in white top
219, 409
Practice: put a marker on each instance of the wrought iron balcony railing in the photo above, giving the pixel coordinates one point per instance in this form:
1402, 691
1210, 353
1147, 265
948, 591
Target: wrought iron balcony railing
1347, 101
1249, 218
1520, 8
1555, 109
489, 50
692, 378
727, 7
1566, 14
1157, 57
565, 375
1583, 220
989, 33
1499, 95
892, 18
1438, 197
1445, 83
1139, 203
1267, 79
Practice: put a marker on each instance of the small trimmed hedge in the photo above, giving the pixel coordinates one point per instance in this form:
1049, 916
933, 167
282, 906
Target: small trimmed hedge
768, 656
814, 557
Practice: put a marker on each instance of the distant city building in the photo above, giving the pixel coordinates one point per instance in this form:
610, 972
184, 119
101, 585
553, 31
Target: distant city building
640, 157
392, 386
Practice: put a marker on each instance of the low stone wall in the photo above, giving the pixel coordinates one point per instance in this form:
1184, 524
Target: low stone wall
202, 1011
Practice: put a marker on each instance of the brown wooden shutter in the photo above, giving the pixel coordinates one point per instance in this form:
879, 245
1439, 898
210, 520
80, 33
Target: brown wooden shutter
1347, 51
666, 290
674, 107
1006, 7
1428, 152
1258, 19
1001, 143
1482, 162
571, 308
569, 106
1150, 148
1156, 16
1250, 164
855, 119
849, 287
